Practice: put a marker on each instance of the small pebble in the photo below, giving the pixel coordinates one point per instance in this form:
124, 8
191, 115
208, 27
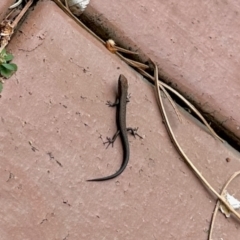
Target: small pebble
228, 159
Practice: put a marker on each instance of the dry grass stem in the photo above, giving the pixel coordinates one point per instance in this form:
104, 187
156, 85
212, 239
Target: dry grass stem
181, 152
185, 101
218, 204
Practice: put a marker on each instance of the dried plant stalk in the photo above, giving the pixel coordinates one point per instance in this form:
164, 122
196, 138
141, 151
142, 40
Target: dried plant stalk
7, 26
180, 150
218, 204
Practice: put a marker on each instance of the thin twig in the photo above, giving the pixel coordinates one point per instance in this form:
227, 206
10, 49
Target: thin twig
140, 66
66, 4
133, 63
18, 18
111, 46
15, 4
69, 13
10, 26
218, 204
125, 51
185, 101
179, 149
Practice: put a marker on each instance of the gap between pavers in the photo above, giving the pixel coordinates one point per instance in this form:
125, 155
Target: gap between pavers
53, 111
194, 44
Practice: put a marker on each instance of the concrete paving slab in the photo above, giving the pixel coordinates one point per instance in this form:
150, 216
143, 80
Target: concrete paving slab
4, 5
194, 43
53, 113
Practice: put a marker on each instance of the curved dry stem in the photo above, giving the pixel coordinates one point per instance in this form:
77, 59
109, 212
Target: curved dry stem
218, 204
69, 13
140, 66
172, 103
162, 84
133, 63
181, 152
16, 4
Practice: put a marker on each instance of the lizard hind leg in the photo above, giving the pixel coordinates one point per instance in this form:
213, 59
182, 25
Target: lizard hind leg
111, 140
133, 131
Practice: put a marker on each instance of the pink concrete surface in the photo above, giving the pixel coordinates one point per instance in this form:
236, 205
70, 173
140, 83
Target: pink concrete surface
4, 5
195, 44
53, 113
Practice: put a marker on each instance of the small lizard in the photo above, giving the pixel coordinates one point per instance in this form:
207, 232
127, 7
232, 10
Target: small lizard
121, 103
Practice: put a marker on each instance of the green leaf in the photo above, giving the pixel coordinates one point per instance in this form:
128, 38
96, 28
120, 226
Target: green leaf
1, 87
3, 52
2, 60
8, 57
10, 66
5, 72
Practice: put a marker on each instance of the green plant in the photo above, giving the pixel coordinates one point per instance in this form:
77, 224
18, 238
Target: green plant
6, 68
1, 86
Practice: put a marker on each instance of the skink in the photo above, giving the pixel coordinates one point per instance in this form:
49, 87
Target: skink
121, 103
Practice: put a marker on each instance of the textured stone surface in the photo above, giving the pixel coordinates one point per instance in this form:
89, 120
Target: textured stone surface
4, 7
195, 44
52, 115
